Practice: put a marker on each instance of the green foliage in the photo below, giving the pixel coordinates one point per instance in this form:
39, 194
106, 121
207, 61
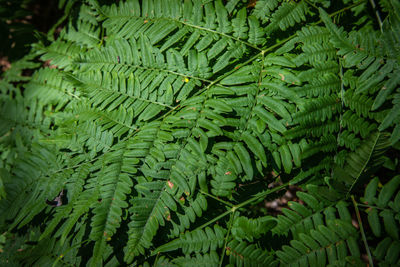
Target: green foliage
382, 207
150, 133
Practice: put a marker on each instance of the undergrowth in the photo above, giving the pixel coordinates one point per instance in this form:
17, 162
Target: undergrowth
150, 130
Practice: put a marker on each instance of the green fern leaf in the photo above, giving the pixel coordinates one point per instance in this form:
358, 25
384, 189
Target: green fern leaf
244, 228
366, 158
198, 240
287, 15
244, 254
205, 260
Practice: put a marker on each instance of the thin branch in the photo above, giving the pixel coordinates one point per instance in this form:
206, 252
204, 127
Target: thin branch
245, 203
311, 4
217, 32
277, 45
230, 223
369, 206
365, 165
341, 112
371, 263
378, 16
217, 199
341, 11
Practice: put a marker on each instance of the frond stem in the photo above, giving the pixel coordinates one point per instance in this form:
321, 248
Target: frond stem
67, 11
378, 16
217, 32
371, 263
342, 100
56, 88
261, 195
263, 51
341, 11
188, 25
365, 164
311, 4
247, 202
146, 68
66, 251
230, 223
215, 219
102, 88
272, 47
369, 206
217, 199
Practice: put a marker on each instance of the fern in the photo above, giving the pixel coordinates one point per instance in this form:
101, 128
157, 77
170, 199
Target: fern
325, 245
382, 211
150, 133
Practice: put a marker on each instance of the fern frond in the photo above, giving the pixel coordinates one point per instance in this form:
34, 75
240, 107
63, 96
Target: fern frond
199, 240
321, 86
224, 180
393, 118
387, 252
41, 165
193, 23
95, 138
74, 188
360, 104
383, 201
15, 72
287, 14
348, 140
324, 164
148, 212
85, 34
318, 109
302, 218
313, 129
327, 143
362, 161
48, 86
263, 9
116, 184
60, 53
339, 35
244, 228
382, 209
320, 71
239, 25
385, 91
244, 254
211, 259
118, 122
147, 113
313, 34
317, 53
357, 124
359, 49
191, 209
324, 245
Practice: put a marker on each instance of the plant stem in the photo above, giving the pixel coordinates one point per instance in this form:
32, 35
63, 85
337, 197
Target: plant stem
261, 195
67, 11
311, 4
341, 111
371, 263
341, 11
244, 203
279, 44
369, 206
217, 199
378, 17
230, 223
